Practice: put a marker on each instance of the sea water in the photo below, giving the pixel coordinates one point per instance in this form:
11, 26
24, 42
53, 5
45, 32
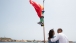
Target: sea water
26, 42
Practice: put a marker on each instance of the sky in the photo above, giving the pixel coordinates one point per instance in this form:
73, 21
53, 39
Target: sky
18, 19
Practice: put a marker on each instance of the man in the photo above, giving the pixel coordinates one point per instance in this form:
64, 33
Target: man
61, 37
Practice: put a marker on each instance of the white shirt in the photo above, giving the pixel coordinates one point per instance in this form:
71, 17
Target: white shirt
61, 37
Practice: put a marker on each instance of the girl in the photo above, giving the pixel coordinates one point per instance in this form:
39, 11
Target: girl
51, 35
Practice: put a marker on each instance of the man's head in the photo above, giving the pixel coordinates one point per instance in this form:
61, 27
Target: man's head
59, 30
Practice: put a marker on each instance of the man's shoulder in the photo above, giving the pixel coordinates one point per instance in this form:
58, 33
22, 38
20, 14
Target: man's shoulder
60, 34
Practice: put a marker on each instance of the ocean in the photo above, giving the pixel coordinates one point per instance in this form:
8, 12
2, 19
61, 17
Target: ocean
26, 42
22, 42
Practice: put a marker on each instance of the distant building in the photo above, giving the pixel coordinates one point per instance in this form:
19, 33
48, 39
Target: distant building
70, 41
29, 40
5, 39
18, 40
45, 41
25, 40
13, 40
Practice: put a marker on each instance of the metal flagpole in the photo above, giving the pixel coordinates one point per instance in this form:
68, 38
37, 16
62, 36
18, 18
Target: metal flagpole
43, 24
44, 33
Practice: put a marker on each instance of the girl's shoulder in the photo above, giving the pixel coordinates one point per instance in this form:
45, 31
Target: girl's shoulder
49, 41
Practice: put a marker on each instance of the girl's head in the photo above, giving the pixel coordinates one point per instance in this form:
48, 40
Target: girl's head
51, 34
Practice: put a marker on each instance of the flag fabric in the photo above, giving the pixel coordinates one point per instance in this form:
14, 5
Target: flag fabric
39, 9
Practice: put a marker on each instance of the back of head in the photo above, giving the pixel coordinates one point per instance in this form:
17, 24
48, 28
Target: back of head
51, 34
59, 30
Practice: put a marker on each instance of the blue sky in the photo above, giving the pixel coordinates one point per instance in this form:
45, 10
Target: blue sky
18, 19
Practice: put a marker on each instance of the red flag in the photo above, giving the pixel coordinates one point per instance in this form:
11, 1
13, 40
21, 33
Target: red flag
38, 8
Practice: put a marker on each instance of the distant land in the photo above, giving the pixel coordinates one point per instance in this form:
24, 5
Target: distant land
5, 39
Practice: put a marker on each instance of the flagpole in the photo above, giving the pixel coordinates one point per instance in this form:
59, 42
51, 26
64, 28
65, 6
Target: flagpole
43, 23
44, 33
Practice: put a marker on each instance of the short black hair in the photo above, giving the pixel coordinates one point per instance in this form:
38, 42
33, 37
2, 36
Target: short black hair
60, 29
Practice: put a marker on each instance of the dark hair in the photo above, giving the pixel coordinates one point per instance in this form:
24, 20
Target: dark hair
51, 34
60, 29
